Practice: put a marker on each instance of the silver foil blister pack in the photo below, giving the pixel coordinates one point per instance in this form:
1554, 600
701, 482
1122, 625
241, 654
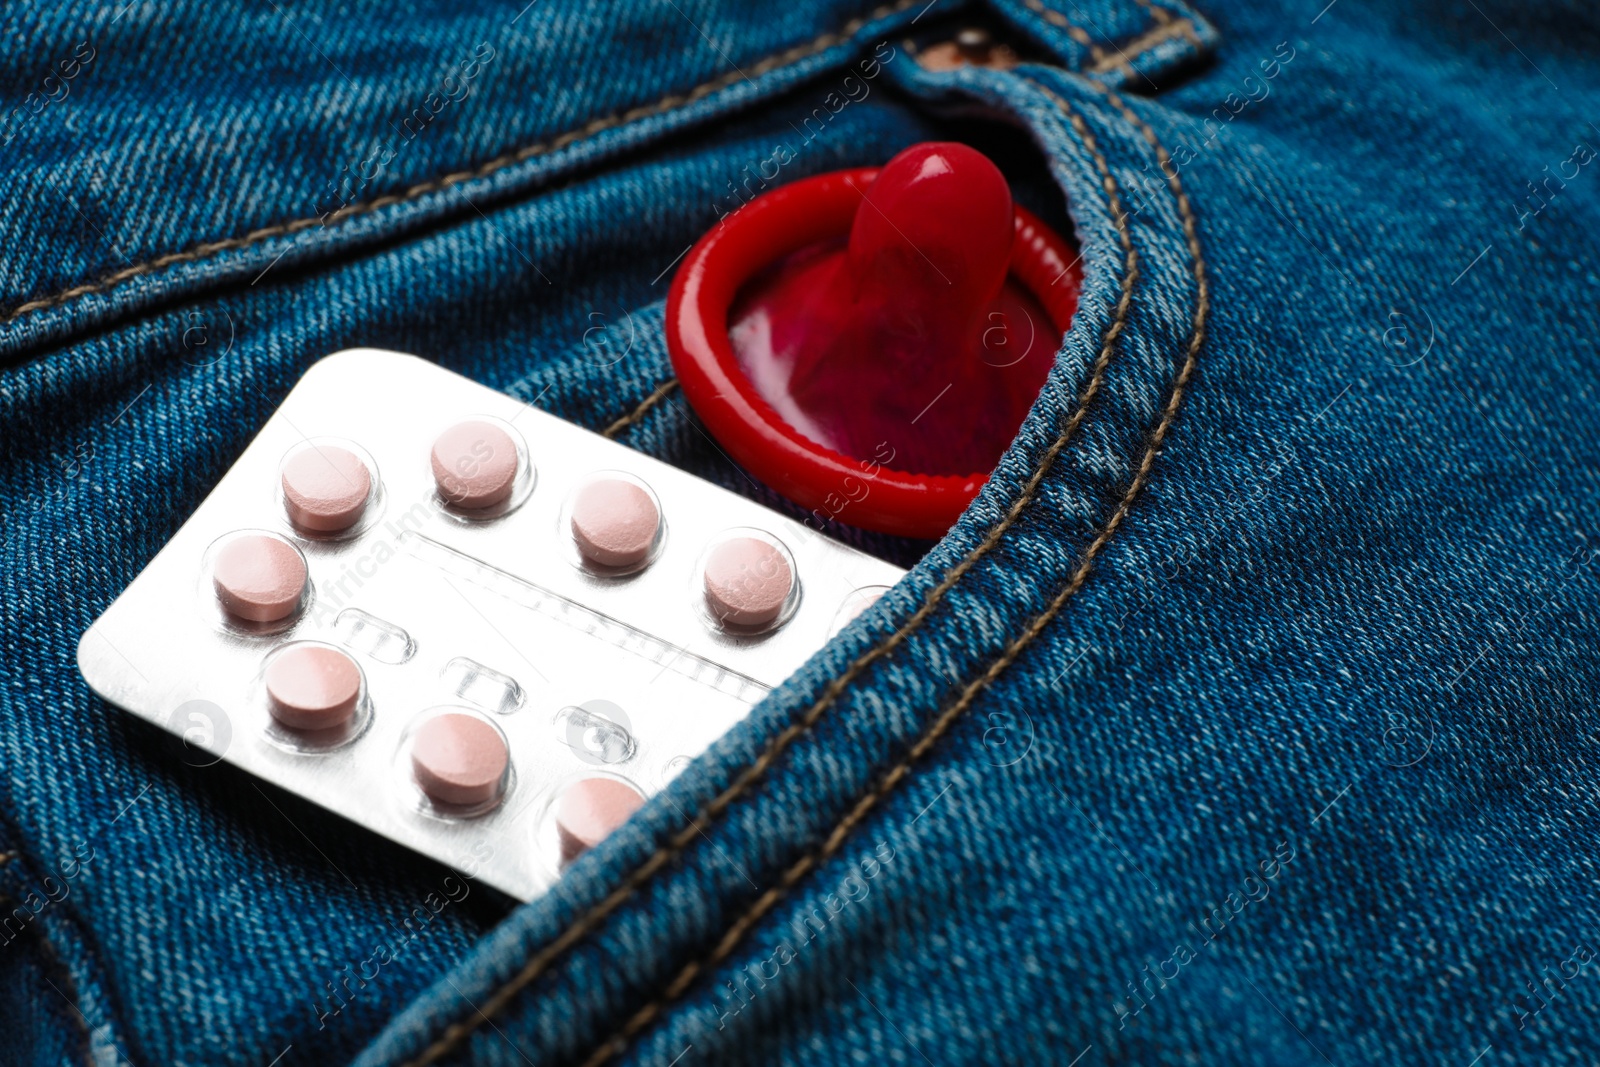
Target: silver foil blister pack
586, 673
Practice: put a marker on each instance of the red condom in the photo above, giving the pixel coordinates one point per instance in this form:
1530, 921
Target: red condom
868, 342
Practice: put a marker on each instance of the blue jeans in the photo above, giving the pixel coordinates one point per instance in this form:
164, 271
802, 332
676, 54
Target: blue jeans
1246, 718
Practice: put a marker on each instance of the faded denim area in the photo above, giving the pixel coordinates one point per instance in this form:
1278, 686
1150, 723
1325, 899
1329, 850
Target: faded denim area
1244, 719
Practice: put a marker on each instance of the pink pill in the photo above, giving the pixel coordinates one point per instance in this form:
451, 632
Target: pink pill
614, 523
475, 464
589, 810
747, 582
312, 688
259, 578
459, 759
325, 489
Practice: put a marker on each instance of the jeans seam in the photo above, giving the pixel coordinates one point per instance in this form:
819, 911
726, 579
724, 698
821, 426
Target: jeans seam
1160, 14
1143, 43
1164, 27
947, 718
1076, 32
642, 875
671, 102
52, 961
656, 396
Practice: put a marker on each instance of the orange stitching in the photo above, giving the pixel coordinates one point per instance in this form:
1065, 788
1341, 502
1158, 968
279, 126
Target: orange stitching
642, 875
1143, 43
638, 413
1185, 210
947, 718
433, 185
1077, 33
1160, 14
1165, 29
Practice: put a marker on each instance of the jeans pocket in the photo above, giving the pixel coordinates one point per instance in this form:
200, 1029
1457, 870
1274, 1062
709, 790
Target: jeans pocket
687, 930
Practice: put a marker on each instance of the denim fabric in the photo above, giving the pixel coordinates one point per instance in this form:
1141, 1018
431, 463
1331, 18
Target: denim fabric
1244, 719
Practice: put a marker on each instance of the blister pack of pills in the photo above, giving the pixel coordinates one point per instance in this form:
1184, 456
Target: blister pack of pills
465, 624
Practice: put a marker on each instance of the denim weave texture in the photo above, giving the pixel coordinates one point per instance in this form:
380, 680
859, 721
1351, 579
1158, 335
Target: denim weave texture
1245, 718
